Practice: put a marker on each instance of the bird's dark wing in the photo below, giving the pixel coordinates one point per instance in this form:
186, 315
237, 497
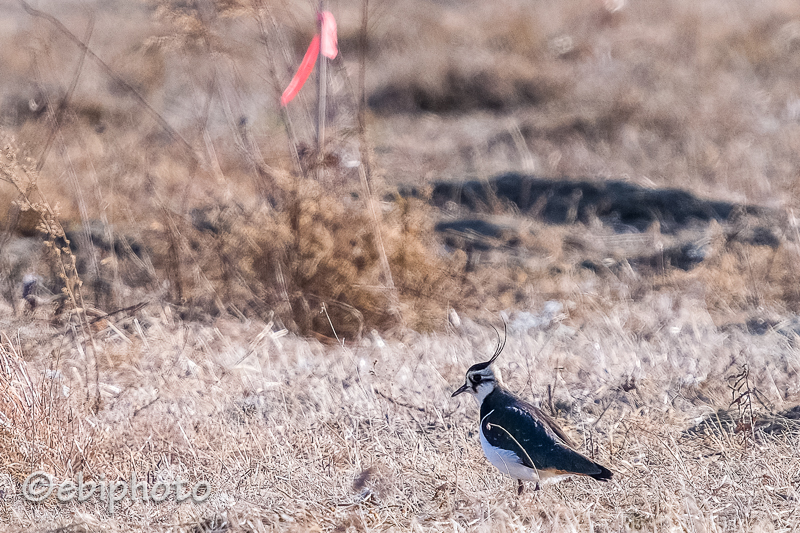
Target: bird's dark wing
549, 422
537, 440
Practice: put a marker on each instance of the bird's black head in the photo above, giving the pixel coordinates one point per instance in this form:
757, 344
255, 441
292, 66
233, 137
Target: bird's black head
480, 373
479, 366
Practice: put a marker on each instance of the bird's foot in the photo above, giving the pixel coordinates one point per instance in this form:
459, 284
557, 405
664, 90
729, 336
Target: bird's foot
520, 487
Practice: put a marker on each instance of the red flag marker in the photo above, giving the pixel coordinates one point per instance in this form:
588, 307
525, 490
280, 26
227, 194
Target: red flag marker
328, 44
306, 66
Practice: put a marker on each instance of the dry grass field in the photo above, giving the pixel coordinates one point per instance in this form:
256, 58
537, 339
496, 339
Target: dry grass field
297, 436
190, 291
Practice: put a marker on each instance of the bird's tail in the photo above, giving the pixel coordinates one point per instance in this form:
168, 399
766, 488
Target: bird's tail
604, 475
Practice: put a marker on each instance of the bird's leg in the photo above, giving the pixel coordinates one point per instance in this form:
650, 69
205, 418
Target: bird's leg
537, 487
520, 487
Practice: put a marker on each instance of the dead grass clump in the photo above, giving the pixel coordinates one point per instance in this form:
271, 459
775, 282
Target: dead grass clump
41, 426
313, 261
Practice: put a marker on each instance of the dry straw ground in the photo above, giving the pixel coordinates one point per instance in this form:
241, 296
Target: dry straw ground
297, 436
176, 274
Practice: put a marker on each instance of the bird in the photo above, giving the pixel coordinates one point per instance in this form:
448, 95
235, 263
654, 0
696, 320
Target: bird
520, 440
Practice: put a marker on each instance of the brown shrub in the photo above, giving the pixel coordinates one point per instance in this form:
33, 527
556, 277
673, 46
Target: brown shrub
315, 251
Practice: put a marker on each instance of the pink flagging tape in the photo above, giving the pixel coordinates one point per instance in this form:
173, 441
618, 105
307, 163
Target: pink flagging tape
306, 66
328, 44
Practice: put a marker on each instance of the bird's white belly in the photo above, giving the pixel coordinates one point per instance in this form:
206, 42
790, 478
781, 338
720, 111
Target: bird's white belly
506, 461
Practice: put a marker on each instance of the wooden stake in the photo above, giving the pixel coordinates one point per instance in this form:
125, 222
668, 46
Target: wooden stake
322, 96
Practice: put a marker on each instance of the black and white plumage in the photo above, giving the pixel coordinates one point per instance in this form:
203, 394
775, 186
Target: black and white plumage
519, 439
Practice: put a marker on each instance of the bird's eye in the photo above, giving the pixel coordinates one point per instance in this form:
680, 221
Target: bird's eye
477, 378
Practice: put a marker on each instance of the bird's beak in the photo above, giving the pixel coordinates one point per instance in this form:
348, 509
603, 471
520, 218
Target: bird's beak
463, 388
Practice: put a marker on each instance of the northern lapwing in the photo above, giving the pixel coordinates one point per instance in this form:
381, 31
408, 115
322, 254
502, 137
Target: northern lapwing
518, 438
